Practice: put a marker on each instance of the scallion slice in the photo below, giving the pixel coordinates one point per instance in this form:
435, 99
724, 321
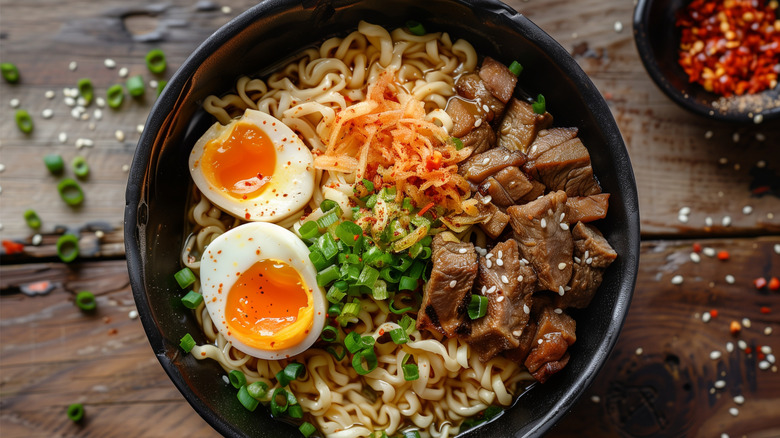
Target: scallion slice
477, 306
415, 27
407, 283
370, 359
327, 246
32, 219
161, 86
68, 247
337, 351
54, 163
352, 342
390, 275
258, 390
540, 106
408, 324
185, 277
328, 275
295, 411
516, 68
23, 121
328, 204
237, 379
192, 300
308, 230
318, 260
10, 72
294, 370
70, 192
75, 412
85, 301
80, 167
334, 310
334, 295
399, 336
411, 372
379, 291
246, 399
279, 402
135, 85
368, 276
187, 343
307, 429
155, 61
115, 95
457, 142
328, 219
329, 333
396, 310
86, 90
411, 434
348, 232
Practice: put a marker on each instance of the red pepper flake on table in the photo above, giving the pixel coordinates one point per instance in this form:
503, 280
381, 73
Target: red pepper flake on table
730, 47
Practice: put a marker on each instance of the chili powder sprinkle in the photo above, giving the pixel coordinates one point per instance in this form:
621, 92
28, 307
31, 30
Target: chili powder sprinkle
730, 47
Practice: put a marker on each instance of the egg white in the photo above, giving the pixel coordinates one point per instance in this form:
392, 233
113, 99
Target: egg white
291, 185
236, 251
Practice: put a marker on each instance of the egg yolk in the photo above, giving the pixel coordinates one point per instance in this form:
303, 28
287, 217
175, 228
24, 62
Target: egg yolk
241, 163
268, 306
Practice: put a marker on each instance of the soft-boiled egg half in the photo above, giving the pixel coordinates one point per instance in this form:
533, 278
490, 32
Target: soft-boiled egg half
261, 290
255, 168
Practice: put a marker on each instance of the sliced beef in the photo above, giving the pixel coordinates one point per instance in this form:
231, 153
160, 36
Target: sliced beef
592, 255
509, 285
543, 241
480, 166
498, 79
465, 116
548, 139
520, 126
514, 181
563, 166
498, 195
472, 87
555, 332
587, 208
497, 219
537, 190
480, 139
446, 291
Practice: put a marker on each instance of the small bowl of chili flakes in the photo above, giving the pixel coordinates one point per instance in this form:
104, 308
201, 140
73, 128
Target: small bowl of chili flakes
717, 58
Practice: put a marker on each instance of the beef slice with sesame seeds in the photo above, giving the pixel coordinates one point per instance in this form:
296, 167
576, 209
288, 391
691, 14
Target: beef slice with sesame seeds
562, 163
498, 79
443, 307
537, 190
514, 181
555, 332
587, 208
472, 87
509, 286
542, 240
592, 255
520, 126
480, 139
464, 116
496, 220
498, 195
480, 166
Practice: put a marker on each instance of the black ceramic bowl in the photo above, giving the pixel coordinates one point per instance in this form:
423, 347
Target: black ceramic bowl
159, 180
657, 40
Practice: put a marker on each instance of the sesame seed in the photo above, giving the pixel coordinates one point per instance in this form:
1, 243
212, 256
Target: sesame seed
486, 108
682, 218
488, 263
723, 160
484, 289
760, 136
69, 101
706, 316
489, 256
758, 118
708, 221
477, 123
564, 226
720, 384
709, 252
453, 283
486, 200
97, 114
708, 135
543, 223
770, 358
729, 347
561, 266
123, 72
2, 167
558, 310
741, 344
540, 341
99, 101
462, 251
84, 142
153, 84
520, 278
618, 26
500, 299
47, 113
589, 260
738, 399
49, 94
504, 279
76, 112
225, 379
735, 137
125, 168
695, 257
730, 279
747, 210
37, 239
73, 66
767, 330
500, 262
226, 9
639, 351
685, 211
595, 398
139, 128
726, 221
724, 435
715, 355
777, 248
491, 290
745, 322
561, 290
119, 135
486, 160
517, 333
526, 309
577, 260
500, 254
764, 365
81, 101
734, 411
766, 349
62, 137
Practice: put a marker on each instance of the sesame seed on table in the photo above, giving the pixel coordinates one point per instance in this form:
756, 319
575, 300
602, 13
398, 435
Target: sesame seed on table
696, 355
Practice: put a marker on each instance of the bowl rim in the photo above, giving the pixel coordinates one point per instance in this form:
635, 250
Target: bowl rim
136, 208
684, 100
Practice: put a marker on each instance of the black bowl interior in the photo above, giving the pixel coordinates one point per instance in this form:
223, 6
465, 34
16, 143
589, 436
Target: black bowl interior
657, 40
159, 181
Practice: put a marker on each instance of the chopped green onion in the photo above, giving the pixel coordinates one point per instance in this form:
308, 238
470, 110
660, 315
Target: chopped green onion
334, 295
328, 204
329, 333
155, 61
416, 270
291, 400
371, 202
411, 372
350, 272
187, 343
185, 277
540, 106
327, 245
135, 85
307, 429
278, 409
411, 434
352, 342
415, 250
516, 68
338, 355
492, 412
32, 219
367, 341
161, 86
334, 310
379, 291
390, 275
68, 247
477, 306
341, 285
10, 72
237, 379
415, 27
352, 259
115, 95
368, 185
370, 358
399, 311
426, 241
407, 204
294, 370
348, 232
368, 276
192, 300
328, 275
54, 163
80, 167
246, 399
408, 324
407, 283
85, 301
425, 254
75, 412
308, 230
258, 390
70, 192
399, 336
328, 219
24, 121
457, 142
295, 411
318, 260
86, 90
404, 263
388, 193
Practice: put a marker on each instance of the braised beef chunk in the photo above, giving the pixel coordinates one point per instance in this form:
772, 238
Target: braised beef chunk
480, 139
498, 195
498, 79
451, 280
472, 87
497, 219
554, 334
537, 190
464, 116
514, 181
520, 126
548, 139
563, 166
592, 255
508, 284
543, 241
587, 208
480, 166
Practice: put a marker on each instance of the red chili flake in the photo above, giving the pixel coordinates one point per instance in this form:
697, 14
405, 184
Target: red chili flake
381, 332
760, 355
723, 255
12, 247
247, 216
424, 209
748, 350
759, 282
760, 190
735, 327
730, 47
113, 331
357, 237
714, 313
766, 310
774, 283
697, 247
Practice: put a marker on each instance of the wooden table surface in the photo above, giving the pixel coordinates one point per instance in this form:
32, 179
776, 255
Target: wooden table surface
671, 373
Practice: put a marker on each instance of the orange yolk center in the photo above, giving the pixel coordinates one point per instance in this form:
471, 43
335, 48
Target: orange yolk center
265, 299
241, 164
